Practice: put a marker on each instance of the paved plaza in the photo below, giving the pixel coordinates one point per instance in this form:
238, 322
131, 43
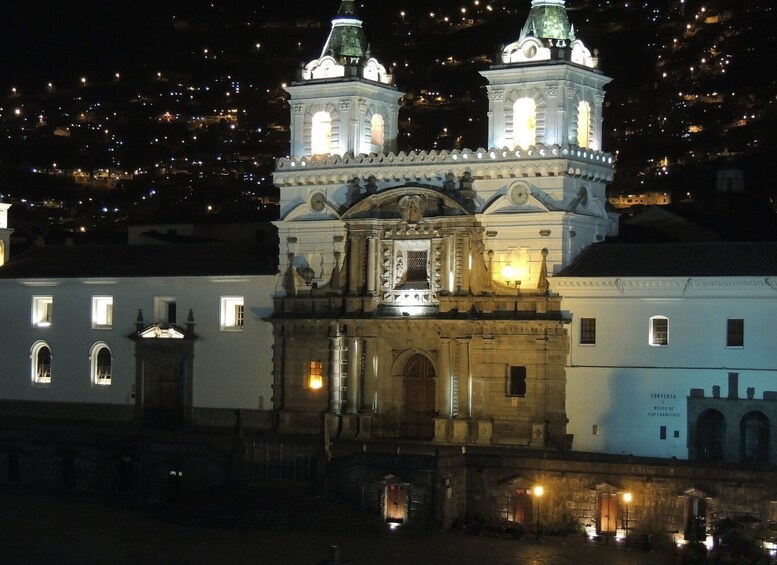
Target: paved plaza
40, 526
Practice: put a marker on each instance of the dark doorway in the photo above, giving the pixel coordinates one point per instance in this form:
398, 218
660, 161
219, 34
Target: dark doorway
163, 404
419, 399
695, 519
711, 436
522, 506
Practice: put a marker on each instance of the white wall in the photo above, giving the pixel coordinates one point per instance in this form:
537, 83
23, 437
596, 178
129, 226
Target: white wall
232, 369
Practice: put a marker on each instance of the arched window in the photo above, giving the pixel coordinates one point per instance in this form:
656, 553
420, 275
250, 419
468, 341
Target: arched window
583, 124
711, 431
321, 134
102, 364
41, 363
377, 131
525, 123
754, 437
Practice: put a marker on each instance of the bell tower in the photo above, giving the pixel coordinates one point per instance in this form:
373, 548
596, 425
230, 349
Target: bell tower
344, 101
547, 89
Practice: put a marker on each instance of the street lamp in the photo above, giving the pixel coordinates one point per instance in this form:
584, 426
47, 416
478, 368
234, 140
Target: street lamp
627, 500
538, 492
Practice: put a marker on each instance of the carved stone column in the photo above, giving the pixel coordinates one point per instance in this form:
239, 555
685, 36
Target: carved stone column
372, 246
354, 265
466, 261
335, 369
354, 375
370, 374
443, 401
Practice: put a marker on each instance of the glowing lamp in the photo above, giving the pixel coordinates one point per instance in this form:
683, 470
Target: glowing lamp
539, 491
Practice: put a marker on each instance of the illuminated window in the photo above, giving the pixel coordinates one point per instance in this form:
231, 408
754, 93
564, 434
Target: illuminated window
232, 313
659, 331
516, 381
377, 134
102, 312
102, 364
165, 309
735, 332
316, 377
524, 123
583, 124
41, 363
416, 266
42, 311
321, 134
588, 331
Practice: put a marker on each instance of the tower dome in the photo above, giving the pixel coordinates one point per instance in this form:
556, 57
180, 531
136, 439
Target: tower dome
346, 52
548, 21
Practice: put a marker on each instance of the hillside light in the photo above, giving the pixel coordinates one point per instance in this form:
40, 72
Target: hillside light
627, 499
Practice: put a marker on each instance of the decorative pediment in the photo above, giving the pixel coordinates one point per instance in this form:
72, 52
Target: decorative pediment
517, 481
162, 331
605, 488
698, 492
410, 204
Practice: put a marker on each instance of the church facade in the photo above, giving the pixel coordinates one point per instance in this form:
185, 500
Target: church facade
415, 299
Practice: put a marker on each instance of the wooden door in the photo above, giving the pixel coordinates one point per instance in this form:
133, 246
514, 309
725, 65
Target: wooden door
396, 503
608, 514
419, 399
163, 396
522, 506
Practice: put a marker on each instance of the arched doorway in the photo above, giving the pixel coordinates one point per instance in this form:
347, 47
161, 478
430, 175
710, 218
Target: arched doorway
419, 398
754, 438
711, 436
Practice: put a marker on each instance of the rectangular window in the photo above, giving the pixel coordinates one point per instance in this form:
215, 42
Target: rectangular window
659, 331
42, 308
662, 432
516, 381
587, 331
735, 332
165, 309
416, 266
232, 313
102, 312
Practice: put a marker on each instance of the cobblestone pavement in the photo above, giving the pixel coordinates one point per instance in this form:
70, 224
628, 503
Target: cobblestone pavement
38, 527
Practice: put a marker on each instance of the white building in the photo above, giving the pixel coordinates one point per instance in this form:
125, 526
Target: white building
672, 350
162, 334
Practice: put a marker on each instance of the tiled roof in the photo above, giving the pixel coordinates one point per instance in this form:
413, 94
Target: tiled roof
201, 259
675, 260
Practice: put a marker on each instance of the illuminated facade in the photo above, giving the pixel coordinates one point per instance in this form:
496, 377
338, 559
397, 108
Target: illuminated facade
419, 281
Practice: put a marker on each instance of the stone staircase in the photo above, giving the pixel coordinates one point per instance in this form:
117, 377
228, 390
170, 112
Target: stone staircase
268, 507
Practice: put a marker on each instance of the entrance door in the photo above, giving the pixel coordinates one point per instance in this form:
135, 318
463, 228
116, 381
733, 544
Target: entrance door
522, 506
695, 519
419, 399
162, 397
608, 514
396, 503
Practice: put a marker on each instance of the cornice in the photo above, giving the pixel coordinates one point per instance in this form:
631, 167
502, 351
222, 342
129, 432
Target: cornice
683, 284
538, 161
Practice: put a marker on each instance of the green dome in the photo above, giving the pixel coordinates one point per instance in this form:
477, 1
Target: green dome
548, 20
346, 40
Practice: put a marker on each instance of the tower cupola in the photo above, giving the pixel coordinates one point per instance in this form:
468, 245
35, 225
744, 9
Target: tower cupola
344, 101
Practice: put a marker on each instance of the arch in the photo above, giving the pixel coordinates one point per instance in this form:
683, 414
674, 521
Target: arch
101, 364
377, 132
524, 123
40, 355
711, 436
321, 133
584, 124
754, 437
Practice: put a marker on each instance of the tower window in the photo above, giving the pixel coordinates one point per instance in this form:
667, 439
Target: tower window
583, 124
588, 331
377, 130
525, 123
321, 134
